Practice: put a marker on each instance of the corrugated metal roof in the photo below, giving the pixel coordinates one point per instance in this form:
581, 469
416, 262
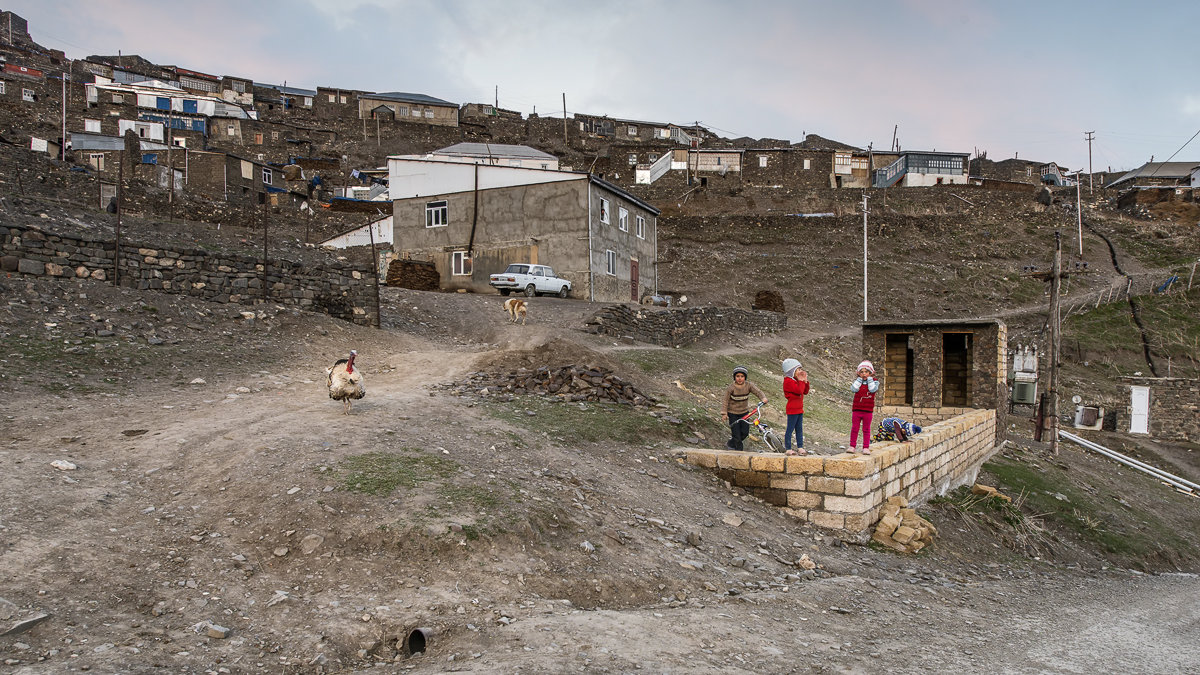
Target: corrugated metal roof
493, 150
82, 140
294, 91
1159, 170
408, 98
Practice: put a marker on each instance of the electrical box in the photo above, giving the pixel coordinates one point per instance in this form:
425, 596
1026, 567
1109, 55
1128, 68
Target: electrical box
1024, 392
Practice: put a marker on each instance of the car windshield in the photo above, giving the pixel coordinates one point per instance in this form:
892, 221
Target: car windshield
517, 269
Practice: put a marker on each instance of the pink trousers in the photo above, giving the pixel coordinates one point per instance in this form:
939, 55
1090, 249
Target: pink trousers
858, 417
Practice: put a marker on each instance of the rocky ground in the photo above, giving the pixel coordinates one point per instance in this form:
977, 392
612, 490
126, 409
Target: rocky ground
223, 515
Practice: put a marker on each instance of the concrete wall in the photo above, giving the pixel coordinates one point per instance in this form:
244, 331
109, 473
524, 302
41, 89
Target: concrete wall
1174, 407
845, 492
627, 247
678, 327
341, 290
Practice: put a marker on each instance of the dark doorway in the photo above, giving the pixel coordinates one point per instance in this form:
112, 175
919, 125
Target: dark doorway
898, 369
633, 279
957, 363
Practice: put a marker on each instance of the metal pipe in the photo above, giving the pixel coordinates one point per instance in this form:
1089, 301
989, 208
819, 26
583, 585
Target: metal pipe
1176, 481
1101, 449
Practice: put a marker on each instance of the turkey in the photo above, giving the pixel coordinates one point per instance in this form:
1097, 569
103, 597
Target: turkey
345, 381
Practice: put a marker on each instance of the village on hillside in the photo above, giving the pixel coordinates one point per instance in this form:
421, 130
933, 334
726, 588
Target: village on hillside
335, 380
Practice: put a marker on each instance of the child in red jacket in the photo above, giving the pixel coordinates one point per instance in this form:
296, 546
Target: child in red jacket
795, 386
864, 388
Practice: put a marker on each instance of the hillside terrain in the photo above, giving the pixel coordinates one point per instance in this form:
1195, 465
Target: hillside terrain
216, 483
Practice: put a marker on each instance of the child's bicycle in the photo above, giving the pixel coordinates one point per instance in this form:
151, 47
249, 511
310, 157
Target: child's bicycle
769, 437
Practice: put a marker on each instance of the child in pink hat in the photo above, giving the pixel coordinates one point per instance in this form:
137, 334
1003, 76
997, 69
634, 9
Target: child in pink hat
864, 388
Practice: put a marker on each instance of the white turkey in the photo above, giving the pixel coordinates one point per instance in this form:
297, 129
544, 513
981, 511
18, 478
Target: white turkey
345, 381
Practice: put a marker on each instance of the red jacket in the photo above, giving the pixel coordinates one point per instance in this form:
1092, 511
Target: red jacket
794, 390
864, 398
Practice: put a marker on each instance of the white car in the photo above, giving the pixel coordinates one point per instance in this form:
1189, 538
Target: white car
531, 280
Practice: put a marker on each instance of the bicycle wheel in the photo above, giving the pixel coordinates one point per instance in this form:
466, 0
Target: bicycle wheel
772, 440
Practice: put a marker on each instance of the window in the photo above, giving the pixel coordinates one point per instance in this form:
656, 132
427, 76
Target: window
437, 214
91, 126
307, 101
623, 219
96, 159
400, 111
274, 135
416, 112
231, 130
118, 98
632, 130
28, 95
266, 176
2, 85
545, 165
332, 98
604, 210
641, 228
179, 142
462, 264
343, 99
610, 262
858, 163
258, 139
762, 161
239, 86
807, 164
653, 157
191, 106
429, 113
633, 159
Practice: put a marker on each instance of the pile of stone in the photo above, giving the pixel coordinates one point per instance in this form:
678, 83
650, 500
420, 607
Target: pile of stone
417, 275
568, 383
901, 529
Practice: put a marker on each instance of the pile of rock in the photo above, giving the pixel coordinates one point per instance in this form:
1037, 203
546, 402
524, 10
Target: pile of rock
418, 275
901, 529
569, 383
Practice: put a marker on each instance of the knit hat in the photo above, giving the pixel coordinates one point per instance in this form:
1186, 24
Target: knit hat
867, 365
742, 370
789, 365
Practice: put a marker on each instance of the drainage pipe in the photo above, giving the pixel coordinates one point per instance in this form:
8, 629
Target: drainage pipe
1172, 479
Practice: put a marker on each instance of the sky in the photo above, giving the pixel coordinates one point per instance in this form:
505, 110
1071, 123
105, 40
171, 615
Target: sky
1009, 79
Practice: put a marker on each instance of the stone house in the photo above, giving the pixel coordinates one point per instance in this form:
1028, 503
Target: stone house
398, 106
498, 154
472, 220
792, 167
932, 370
237, 90
922, 169
197, 82
1159, 174
332, 103
486, 111
1163, 407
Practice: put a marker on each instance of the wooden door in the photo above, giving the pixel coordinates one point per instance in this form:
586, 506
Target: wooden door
633, 279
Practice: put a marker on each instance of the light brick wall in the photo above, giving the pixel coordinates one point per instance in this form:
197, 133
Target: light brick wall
845, 491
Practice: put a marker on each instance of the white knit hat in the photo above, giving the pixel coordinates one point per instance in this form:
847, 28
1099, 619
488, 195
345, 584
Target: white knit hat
867, 365
789, 365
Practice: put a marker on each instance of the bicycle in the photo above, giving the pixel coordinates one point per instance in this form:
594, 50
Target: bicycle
769, 437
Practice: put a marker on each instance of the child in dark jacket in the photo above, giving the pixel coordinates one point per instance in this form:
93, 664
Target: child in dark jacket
735, 405
795, 386
864, 388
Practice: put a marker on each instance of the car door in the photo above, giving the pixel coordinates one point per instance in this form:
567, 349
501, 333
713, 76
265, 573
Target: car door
538, 273
549, 283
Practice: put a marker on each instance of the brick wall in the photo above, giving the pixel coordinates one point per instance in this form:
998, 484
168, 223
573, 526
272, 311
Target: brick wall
1174, 407
341, 290
673, 327
845, 492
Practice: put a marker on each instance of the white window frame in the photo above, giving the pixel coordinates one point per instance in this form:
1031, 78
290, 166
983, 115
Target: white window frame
96, 160
266, 176
762, 161
179, 141
633, 131
332, 98
604, 210
623, 218
429, 113
641, 227
610, 262
308, 101
239, 86
461, 264
633, 159
231, 130
28, 95
807, 164
437, 214
91, 126
343, 99
118, 98
2, 87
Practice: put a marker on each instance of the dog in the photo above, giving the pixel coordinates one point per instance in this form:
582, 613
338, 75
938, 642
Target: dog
516, 307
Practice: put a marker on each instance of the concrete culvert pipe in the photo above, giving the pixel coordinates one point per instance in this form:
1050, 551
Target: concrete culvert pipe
417, 640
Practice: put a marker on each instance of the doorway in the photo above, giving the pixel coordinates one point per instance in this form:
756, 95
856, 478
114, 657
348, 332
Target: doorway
1139, 415
956, 369
898, 369
633, 279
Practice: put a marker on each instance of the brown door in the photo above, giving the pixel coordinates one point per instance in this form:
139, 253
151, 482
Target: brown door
633, 279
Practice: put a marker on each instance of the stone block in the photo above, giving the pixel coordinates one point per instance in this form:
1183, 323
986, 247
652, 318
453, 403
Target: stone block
733, 460
803, 500
27, 266
827, 485
833, 521
889, 542
774, 463
904, 534
771, 496
788, 482
888, 524
805, 464
859, 467
704, 458
749, 479
9, 263
842, 504
857, 522
858, 487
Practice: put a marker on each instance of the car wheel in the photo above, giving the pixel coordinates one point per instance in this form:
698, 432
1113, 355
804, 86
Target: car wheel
503, 291
564, 292
530, 291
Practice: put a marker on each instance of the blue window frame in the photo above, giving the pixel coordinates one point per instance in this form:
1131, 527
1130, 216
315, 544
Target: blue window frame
162, 103
189, 106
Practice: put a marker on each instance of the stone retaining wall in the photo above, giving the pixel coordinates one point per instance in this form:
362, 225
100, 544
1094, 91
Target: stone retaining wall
676, 327
341, 290
845, 492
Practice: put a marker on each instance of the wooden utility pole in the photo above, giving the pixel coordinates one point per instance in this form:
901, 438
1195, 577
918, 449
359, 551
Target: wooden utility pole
1055, 342
1079, 213
565, 142
375, 271
117, 248
1090, 136
266, 204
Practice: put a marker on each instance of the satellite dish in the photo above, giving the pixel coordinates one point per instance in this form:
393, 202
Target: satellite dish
1075, 399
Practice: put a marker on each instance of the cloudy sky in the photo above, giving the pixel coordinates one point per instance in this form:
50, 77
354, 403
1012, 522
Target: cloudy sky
1012, 78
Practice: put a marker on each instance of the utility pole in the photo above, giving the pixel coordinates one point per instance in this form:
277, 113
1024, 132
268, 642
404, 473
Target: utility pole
565, 142
266, 203
894, 130
1079, 214
120, 208
1090, 136
64, 110
1050, 420
497, 101
864, 208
